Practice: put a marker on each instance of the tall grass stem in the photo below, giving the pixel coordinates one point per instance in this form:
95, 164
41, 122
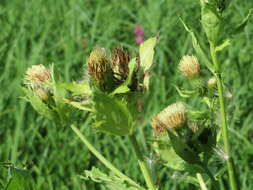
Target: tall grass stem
100, 157
224, 126
144, 169
201, 182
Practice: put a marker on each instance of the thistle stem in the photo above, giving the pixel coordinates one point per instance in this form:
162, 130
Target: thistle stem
100, 157
210, 175
145, 171
201, 182
224, 126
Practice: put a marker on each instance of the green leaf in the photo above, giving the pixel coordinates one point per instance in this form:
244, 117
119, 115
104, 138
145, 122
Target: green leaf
183, 150
169, 157
82, 88
122, 89
225, 44
20, 180
146, 52
198, 48
240, 27
85, 106
186, 93
39, 105
112, 115
112, 182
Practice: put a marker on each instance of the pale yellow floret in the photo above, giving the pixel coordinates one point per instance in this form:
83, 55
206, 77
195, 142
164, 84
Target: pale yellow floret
173, 116
189, 66
37, 74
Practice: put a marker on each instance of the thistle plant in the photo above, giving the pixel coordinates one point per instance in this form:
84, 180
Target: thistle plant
110, 93
186, 136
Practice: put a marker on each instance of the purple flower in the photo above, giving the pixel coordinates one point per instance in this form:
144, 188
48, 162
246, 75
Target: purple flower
138, 30
139, 39
139, 34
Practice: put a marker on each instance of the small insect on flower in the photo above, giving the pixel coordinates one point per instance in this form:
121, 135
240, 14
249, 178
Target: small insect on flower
172, 117
189, 66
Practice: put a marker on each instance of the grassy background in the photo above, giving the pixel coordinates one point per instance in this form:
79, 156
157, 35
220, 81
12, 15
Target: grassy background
64, 32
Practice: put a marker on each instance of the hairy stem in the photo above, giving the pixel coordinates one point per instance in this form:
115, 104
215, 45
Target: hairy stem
224, 126
107, 163
142, 164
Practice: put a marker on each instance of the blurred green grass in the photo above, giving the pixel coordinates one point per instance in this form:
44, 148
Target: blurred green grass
63, 33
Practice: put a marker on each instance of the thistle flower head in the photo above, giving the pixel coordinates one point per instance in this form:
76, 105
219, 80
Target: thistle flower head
189, 66
98, 64
37, 75
174, 116
120, 60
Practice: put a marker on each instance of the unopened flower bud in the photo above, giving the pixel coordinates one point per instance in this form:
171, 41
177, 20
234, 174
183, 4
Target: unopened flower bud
212, 82
189, 66
98, 64
174, 116
120, 61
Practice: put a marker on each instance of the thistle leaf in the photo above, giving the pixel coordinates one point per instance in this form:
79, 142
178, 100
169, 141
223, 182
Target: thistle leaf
85, 106
183, 150
39, 105
20, 180
186, 93
170, 158
82, 88
240, 27
112, 182
146, 52
225, 44
112, 115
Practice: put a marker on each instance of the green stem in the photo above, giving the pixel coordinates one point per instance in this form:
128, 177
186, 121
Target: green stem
224, 126
142, 164
201, 182
101, 157
210, 175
